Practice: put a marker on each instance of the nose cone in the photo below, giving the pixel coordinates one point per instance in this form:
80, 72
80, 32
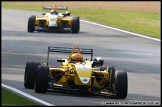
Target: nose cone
53, 21
84, 73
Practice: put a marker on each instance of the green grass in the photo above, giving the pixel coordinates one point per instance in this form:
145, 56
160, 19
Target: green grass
10, 99
146, 23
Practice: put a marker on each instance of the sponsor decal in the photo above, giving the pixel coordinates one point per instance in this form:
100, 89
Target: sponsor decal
53, 24
84, 79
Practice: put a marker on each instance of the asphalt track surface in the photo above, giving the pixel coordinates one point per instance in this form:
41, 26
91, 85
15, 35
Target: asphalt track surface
138, 56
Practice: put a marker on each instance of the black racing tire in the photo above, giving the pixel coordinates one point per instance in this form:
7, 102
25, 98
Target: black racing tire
31, 23
121, 84
41, 80
29, 76
75, 27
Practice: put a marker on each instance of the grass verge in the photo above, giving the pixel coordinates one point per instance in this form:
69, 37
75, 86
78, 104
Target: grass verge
142, 22
10, 99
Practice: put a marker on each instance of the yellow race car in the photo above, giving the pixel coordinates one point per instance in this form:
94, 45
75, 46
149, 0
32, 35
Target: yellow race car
54, 21
76, 73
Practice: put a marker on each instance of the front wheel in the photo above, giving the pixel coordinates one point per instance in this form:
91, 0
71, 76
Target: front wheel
121, 84
75, 27
31, 24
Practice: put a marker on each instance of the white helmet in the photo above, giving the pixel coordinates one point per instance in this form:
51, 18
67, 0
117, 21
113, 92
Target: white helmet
68, 13
97, 62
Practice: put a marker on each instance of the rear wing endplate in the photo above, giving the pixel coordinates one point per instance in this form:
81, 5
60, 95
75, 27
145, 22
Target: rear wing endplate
68, 50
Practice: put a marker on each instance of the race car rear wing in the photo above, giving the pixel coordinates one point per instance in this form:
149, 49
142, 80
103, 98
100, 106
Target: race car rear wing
58, 7
68, 50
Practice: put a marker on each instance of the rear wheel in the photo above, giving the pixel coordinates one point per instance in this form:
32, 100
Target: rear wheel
31, 24
30, 71
75, 27
121, 84
41, 80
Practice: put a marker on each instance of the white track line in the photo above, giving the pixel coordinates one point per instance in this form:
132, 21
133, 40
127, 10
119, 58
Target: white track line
26, 95
120, 30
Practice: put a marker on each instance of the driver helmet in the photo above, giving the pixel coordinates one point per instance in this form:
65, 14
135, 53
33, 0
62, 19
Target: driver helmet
76, 57
54, 11
68, 13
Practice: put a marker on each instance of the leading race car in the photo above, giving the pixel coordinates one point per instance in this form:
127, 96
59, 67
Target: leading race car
54, 21
76, 74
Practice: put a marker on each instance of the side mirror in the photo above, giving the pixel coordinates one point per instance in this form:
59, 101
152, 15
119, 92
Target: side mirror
60, 60
68, 13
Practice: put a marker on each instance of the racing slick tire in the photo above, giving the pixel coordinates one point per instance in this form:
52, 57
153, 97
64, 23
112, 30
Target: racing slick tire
30, 71
41, 80
121, 84
31, 24
75, 27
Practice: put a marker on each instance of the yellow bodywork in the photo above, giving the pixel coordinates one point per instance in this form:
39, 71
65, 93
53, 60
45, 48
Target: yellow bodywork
60, 20
81, 73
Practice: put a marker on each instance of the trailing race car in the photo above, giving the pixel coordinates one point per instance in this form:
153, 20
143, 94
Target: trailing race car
76, 73
54, 21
